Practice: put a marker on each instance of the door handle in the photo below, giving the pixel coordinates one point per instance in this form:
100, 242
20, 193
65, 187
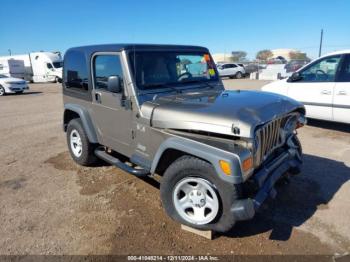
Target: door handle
342, 93
98, 98
326, 92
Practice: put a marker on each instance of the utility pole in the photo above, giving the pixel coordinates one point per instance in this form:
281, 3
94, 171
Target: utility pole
320, 50
9, 51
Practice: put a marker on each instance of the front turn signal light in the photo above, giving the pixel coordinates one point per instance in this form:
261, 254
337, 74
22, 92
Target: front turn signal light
225, 167
247, 164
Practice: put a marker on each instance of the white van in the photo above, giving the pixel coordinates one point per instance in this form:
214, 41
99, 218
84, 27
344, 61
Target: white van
39, 66
323, 86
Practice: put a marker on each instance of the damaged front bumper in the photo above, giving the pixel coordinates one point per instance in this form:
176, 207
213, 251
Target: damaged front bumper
266, 179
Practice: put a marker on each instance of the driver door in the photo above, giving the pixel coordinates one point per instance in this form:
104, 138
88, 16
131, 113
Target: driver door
112, 118
315, 89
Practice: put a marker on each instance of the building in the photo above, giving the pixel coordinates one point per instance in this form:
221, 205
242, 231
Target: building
222, 57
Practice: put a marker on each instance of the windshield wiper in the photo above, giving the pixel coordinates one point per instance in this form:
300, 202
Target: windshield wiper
199, 82
162, 85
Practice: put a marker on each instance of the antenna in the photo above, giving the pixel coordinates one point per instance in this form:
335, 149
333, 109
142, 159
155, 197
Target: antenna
320, 50
134, 60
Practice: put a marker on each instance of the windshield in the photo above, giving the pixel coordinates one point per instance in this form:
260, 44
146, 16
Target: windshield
57, 64
160, 69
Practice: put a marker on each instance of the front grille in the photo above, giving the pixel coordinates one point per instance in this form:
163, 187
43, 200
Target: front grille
268, 138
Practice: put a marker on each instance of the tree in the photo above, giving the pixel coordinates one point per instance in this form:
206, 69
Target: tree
298, 56
238, 56
264, 54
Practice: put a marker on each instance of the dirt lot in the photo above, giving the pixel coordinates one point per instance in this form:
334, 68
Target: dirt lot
49, 205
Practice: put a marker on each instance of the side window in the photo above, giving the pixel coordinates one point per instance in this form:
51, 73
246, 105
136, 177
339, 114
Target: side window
233, 65
344, 75
75, 71
321, 71
106, 66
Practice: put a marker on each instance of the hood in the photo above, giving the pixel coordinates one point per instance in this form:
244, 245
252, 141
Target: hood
13, 80
274, 84
218, 111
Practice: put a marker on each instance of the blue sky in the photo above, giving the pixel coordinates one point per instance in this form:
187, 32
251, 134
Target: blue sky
220, 25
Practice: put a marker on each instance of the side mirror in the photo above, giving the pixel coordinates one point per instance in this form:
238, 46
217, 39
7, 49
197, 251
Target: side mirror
114, 84
295, 77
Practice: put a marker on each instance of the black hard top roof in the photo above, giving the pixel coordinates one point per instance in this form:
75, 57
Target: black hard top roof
137, 47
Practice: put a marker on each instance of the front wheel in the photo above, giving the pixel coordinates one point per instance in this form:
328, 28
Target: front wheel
194, 195
2, 91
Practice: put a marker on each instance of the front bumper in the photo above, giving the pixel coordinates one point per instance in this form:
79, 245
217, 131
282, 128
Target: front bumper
266, 178
16, 88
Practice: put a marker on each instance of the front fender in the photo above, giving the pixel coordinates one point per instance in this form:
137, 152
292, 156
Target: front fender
208, 153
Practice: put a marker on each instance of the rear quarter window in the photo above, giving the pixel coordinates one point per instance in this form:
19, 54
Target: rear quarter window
76, 71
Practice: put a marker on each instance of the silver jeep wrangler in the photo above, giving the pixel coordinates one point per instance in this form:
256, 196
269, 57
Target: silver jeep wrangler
162, 109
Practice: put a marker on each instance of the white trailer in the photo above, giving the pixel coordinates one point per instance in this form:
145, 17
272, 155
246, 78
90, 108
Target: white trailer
38, 66
12, 68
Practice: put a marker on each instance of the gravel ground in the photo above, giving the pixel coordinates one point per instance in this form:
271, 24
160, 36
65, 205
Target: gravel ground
49, 205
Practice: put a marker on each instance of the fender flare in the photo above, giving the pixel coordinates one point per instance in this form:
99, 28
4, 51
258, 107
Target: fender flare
85, 119
206, 152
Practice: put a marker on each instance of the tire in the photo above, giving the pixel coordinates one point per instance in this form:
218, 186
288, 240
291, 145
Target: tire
2, 91
188, 168
58, 80
239, 75
76, 135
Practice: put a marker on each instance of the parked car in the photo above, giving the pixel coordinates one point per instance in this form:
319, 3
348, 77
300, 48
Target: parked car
294, 65
253, 67
323, 86
134, 104
277, 60
11, 85
231, 70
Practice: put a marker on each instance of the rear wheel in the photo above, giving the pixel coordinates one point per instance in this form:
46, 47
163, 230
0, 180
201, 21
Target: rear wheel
2, 91
194, 195
80, 148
